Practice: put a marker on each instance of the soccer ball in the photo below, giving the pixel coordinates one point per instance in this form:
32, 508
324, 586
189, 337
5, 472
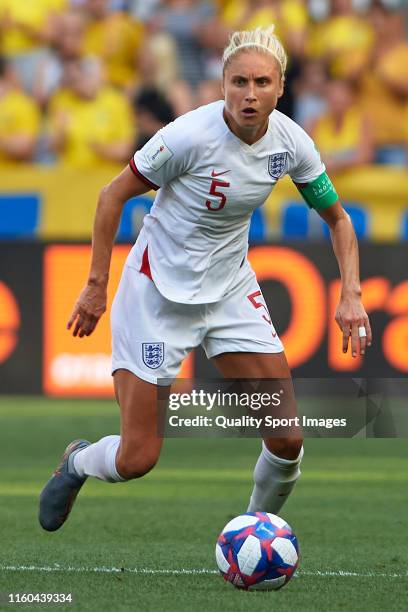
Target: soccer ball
257, 551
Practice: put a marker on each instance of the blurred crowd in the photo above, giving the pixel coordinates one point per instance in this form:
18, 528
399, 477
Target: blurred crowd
86, 82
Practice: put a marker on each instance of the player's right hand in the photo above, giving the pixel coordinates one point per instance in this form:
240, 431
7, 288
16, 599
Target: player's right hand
88, 309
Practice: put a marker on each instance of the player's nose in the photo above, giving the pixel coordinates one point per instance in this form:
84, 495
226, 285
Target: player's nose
250, 94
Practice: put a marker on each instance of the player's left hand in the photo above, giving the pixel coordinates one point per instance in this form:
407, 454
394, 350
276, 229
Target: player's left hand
350, 316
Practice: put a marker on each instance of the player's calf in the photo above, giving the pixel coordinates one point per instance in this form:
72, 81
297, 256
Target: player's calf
115, 459
286, 448
136, 461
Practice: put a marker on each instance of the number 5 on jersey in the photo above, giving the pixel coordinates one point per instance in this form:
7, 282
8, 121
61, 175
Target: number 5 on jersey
252, 298
215, 183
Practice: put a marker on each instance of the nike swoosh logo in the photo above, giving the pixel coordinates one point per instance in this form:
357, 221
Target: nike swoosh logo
214, 173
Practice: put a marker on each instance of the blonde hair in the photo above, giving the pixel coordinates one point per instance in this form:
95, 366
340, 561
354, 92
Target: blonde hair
261, 39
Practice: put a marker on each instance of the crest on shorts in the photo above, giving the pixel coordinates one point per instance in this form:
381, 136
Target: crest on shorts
277, 164
153, 354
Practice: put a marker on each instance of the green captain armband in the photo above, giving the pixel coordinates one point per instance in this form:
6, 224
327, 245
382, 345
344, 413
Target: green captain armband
319, 193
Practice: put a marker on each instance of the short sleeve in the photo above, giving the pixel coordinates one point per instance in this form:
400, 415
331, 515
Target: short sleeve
166, 156
307, 164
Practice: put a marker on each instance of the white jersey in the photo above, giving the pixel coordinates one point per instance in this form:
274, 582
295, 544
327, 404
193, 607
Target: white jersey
209, 183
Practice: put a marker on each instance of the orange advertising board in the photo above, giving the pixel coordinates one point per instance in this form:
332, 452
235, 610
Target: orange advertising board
9, 322
303, 289
77, 366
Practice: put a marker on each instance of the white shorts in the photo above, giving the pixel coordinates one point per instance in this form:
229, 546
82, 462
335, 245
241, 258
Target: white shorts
152, 335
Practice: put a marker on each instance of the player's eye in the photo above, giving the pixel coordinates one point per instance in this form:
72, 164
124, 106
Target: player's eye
263, 81
239, 81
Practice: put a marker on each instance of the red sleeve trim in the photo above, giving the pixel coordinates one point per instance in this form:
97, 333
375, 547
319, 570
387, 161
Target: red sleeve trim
141, 177
145, 267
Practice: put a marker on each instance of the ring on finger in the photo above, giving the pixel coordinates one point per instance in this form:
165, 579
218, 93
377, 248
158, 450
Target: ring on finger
362, 332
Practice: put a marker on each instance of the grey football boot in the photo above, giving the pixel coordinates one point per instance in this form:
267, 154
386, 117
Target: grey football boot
59, 494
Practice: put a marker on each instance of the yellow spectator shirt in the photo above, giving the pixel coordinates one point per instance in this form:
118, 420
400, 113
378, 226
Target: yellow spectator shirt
384, 107
107, 119
333, 142
34, 14
292, 16
345, 40
19, 116
117, 40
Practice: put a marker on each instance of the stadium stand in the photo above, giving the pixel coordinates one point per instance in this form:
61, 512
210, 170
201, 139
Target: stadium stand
156, 59
300, 223
19, 216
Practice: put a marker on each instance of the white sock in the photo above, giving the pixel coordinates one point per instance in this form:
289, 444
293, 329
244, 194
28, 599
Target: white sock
274, 479
99, 460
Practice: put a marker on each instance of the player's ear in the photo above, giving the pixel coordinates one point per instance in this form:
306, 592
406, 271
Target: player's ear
222, 86
281, 87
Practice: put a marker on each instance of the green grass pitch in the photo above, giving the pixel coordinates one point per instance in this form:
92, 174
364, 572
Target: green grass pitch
349, 512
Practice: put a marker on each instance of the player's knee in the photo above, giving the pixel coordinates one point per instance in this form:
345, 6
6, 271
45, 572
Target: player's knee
136, 464
286, 448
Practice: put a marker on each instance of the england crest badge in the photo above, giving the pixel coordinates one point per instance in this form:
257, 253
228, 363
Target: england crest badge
153, 354
277, 164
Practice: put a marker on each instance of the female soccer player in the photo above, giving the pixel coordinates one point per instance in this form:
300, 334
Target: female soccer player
187, 280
